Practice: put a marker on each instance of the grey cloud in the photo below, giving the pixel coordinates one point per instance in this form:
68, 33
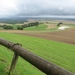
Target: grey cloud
47, 7
39, 7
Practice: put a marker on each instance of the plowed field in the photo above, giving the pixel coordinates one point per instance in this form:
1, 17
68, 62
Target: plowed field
67, 36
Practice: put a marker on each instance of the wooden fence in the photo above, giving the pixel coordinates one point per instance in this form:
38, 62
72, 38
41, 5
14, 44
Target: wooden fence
47, 67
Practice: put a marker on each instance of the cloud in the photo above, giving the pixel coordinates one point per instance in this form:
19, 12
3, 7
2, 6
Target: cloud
36, 7
8, 8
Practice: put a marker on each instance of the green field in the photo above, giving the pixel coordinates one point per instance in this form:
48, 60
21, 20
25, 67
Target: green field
59, 53
40, 27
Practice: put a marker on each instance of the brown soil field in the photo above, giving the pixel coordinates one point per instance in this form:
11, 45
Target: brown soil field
67, 36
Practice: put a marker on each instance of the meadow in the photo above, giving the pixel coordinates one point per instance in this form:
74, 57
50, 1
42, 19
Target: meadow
59, 53
41, 27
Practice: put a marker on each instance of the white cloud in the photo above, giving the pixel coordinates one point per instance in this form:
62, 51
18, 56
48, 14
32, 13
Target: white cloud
36, 7
7, 7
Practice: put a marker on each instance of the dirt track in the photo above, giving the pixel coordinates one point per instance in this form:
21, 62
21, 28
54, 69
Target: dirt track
67, 36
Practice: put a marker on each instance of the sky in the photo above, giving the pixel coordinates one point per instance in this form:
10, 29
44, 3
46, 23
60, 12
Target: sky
22, 8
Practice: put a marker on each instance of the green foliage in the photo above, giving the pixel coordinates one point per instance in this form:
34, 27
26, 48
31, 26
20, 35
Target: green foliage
59, 23
30, 24
7, 27
41, 27
24, 26
36, 23
19, 28
59, 53
33, 24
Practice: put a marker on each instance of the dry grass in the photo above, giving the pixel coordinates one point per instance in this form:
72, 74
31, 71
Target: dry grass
51, 26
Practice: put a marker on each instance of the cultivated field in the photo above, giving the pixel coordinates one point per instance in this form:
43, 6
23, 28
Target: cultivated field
51, 26
67, 36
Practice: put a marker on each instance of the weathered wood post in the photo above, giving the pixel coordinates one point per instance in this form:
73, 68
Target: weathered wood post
13, 64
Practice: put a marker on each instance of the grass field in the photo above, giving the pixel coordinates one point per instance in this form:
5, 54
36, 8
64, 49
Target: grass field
40, 27
59, 53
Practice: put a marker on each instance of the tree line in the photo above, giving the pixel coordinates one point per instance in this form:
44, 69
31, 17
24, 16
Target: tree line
21, 27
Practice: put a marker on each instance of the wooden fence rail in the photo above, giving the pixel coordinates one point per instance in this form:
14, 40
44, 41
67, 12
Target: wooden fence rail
43, 65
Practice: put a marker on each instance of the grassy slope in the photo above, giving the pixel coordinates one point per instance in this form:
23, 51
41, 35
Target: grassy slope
40, 27
58, 53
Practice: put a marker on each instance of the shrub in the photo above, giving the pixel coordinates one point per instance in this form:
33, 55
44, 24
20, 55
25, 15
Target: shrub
59, 23
24, 26
7, 27
19, 28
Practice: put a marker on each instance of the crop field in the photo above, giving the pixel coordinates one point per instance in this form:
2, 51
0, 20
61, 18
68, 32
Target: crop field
46, 41
66, 36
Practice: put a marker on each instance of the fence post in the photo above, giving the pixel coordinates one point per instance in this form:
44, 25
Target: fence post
13, 64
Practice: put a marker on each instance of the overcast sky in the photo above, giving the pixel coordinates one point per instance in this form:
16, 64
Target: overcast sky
36, 7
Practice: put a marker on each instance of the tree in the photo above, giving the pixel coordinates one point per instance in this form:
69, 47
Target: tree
24, 26
36, 23
19, 28
7, 27
59, 23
